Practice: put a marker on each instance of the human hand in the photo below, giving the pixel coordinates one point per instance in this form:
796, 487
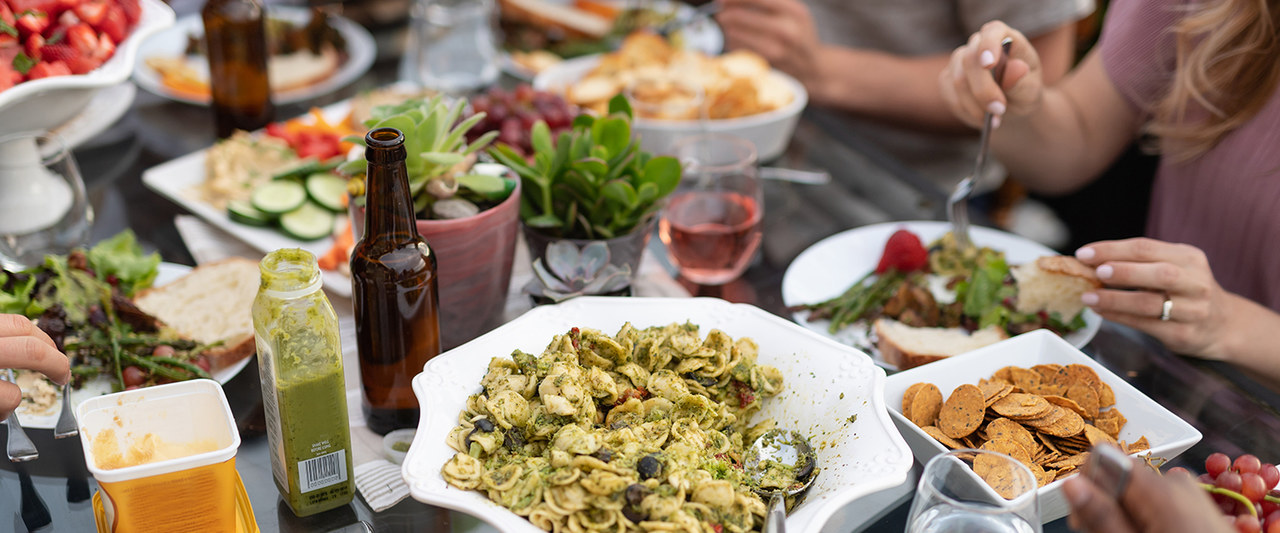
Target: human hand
23, 345
969, 89
1141, 273
1151, 503
782, 31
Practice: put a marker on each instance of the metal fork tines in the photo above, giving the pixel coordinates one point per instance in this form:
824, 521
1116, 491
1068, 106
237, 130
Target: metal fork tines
67, 426
958, 203
19, 446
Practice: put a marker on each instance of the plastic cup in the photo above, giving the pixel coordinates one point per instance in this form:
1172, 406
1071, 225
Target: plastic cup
164, 457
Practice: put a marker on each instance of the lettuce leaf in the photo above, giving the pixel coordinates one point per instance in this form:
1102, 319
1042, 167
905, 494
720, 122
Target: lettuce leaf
17, 300
122, 257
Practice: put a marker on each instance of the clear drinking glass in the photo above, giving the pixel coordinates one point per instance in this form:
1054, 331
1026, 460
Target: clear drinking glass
43, 206
712, 225
455, 44
975, 490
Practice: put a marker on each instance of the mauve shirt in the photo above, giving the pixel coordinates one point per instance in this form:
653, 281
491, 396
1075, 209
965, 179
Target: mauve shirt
1226, 201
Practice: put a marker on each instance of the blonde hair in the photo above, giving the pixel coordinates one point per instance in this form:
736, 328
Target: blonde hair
1228, 63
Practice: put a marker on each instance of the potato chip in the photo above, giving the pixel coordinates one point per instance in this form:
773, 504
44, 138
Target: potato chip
925, 405
963, 412
1110, 421
1140, 445
1097, 436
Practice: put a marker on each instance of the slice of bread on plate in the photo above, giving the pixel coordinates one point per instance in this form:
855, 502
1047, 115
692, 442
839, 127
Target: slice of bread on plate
907, 346
211, 303
1054, 283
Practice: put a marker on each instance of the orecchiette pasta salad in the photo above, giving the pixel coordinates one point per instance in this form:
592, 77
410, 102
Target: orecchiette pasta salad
641, 431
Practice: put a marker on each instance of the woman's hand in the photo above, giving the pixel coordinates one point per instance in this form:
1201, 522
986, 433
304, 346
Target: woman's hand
1151, 503
23, 345
1139, 274
969, 88
782, 31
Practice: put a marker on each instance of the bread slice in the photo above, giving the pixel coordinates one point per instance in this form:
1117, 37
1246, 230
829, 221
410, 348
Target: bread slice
211, 303
1054, 283
573, 21
906, 346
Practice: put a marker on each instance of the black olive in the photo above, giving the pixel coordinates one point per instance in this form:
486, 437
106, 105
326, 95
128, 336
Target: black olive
618, 424
634, 515
806, 469
705, 381
484, 425
97, 317
649, 467
636, 493
514, 439
603, 454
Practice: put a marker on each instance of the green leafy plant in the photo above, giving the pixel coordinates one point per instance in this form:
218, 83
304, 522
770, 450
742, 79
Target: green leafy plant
438, 156
592, 182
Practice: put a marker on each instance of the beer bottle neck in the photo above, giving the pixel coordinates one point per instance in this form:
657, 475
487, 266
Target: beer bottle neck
389, 211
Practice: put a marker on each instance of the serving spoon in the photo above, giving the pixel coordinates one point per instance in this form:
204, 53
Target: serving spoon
789, 449
958, 203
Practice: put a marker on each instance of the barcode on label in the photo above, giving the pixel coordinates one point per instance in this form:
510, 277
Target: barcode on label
322, 471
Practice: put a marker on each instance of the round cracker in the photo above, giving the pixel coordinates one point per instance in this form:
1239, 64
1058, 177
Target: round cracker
949, 442
1021, 406
1003, 427
963, 412
1062, 401
907, 396
925, 405
1086, 396
1008, 447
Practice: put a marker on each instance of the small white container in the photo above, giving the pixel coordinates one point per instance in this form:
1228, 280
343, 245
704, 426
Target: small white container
198, 490
389, 441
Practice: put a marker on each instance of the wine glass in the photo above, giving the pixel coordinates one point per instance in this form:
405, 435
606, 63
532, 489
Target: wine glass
712, 224
975, 490
43, 206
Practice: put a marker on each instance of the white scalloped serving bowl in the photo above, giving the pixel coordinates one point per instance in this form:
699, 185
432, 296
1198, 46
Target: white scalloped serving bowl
834, 394
41, 105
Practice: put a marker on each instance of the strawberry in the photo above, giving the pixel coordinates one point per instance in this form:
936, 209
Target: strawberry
91, 11
113, 23
132, 10
32, 23
6, 16
82, 38
45, 69
58, 52
81, 64
903, 252
49, 8
34, 43
106, 49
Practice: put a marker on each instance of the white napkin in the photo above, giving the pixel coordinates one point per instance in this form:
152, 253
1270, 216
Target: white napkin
378, 480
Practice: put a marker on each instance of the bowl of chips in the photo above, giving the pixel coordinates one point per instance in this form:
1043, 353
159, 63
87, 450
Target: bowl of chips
677, 92
1036, 398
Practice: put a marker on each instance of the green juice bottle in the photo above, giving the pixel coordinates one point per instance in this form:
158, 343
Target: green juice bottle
303, 389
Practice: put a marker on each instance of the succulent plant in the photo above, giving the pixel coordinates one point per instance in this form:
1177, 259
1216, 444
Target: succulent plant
439, 158
571, 272
593, 182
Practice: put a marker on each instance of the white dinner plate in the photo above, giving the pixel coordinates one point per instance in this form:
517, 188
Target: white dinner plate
177, 179
832, 393
166, 272
702, 34
829, 267
172, 42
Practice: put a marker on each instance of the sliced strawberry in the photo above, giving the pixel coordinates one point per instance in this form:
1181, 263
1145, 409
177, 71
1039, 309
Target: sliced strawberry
132, 10
82, 38
69, 4
45, 69
106, 49
32, 23
113, 23
58, 52
903, 252
34, 43
91, 11
6, 16
9, 41
81, 64
49, 7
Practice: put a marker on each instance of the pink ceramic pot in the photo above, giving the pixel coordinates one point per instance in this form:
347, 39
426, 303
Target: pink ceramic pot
473, 258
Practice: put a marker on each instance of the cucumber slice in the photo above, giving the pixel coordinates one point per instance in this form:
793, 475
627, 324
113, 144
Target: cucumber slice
328, 190
308, 223
244, 213
278, 197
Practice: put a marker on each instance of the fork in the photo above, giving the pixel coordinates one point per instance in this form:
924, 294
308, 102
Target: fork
67, 426
19, 447
958, 202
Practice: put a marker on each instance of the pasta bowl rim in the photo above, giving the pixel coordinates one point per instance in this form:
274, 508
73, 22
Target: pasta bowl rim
883, 458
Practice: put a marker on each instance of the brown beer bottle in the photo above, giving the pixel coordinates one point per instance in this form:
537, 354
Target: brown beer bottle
393, 281
236, 38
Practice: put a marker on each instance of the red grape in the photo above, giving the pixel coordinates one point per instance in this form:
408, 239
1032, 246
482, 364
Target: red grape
1247, 464
1205, 478
1229, 480
524, 107
1217, 463
1268, 507
1252, 487
1248, 524
1270, 475
1179, 469
1273, 526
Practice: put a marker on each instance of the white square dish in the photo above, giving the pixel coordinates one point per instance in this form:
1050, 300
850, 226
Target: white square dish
1168, 434
833, 394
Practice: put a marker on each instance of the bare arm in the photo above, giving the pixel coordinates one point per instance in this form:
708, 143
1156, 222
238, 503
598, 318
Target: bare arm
1055, 140
875, 84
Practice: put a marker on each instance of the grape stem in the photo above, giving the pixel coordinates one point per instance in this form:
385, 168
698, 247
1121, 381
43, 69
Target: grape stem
1272, 499
1233, 495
